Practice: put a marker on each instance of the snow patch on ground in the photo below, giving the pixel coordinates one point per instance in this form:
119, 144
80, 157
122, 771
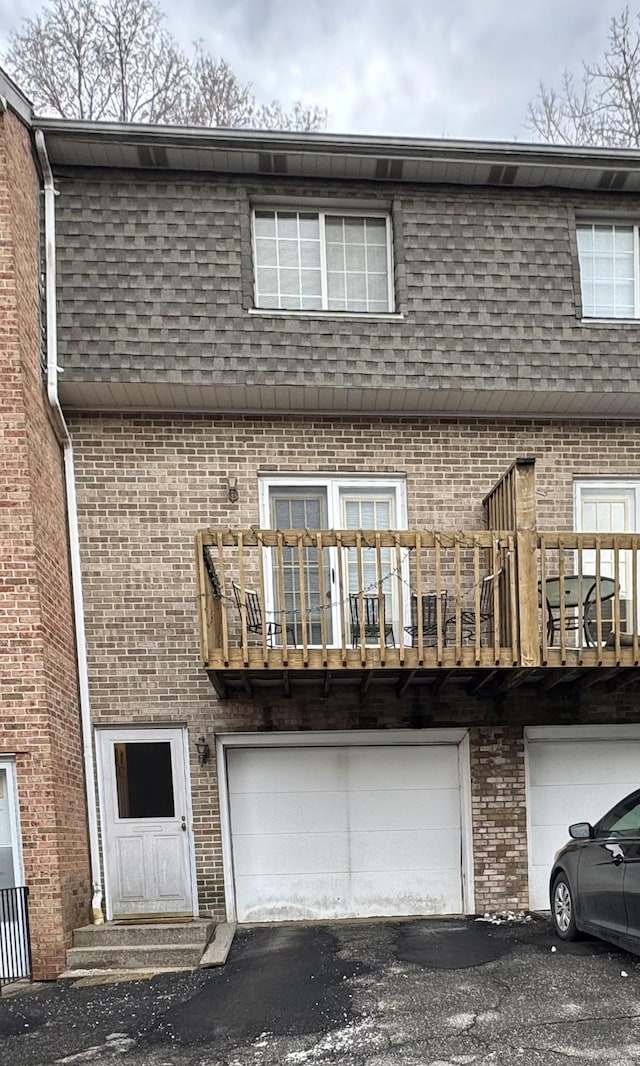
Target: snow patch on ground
505, 917
356, 1037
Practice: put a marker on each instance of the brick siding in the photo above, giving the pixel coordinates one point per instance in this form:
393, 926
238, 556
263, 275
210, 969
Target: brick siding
39, 720
145, 484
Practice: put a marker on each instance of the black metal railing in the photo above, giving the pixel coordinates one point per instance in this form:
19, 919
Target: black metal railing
15, 941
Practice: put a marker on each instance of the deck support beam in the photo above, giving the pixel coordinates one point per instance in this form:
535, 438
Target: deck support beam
404, 682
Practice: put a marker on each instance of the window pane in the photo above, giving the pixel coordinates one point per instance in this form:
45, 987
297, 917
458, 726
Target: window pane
309, 227
266, 253
355, 257
288, 253
335, 256
311, 283
287, 223
144, 780
310, 253
606, 254
267, 281
265, 224
289, 282
377, 231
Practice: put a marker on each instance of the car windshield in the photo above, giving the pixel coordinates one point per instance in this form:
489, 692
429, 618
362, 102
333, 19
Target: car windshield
623, 820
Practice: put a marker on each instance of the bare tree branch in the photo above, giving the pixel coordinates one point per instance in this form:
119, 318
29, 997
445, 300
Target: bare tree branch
114, 59
604, 108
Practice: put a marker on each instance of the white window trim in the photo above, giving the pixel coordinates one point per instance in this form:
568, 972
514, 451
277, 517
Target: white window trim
348, 738
334, 484
9, 765
603, 485
323, 212
588, 221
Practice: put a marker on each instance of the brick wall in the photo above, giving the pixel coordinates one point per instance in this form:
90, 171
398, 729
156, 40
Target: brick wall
39, 710
146, 484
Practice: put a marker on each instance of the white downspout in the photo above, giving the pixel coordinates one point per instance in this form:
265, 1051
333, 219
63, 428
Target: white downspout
50, 194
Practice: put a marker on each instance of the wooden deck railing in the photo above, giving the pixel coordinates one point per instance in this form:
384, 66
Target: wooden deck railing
357, 599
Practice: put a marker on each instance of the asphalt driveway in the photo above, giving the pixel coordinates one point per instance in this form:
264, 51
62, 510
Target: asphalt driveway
414, 993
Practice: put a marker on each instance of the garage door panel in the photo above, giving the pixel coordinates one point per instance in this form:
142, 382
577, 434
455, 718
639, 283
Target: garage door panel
429, 895
411, 850
572, 780
292, 812
345, 831
288, 769
403, 768
287, 853
556, 805
584, 762
404, 810
293, 897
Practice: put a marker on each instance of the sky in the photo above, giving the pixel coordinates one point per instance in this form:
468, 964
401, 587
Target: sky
424, 68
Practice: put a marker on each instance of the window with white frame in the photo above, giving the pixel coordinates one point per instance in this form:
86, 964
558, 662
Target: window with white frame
609, 276
333, 503
322, 260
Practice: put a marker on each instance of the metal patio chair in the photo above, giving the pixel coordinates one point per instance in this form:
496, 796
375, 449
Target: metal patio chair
255, 622
430, 603
370, 621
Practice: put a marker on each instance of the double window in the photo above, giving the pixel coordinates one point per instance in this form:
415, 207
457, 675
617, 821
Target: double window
609, 270
322, 261
329, 578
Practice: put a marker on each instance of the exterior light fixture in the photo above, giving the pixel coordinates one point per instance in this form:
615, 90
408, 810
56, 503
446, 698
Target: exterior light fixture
203, 750
232, 489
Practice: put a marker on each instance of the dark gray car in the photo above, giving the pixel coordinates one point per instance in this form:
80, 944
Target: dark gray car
595, 880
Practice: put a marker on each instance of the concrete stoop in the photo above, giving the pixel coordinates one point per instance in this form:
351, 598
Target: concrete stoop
146, 947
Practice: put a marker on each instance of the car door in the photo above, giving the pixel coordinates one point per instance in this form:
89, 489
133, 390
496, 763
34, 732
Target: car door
628, 833
603, 866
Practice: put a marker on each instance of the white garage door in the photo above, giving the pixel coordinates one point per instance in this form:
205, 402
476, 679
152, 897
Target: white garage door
573, 778
343, 832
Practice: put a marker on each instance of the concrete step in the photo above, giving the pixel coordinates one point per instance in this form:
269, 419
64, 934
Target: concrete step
135, 957
198, 931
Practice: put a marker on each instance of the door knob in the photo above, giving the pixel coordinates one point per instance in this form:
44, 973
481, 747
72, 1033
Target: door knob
184, 824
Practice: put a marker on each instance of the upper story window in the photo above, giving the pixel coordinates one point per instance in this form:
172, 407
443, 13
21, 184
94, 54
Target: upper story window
322, 261
609, 270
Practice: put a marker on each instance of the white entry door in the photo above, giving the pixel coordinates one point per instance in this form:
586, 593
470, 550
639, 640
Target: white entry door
146, 822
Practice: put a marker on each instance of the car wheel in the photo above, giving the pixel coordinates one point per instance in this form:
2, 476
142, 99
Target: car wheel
562, 909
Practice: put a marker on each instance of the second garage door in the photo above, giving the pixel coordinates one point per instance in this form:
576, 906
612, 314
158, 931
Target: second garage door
341, 832
574, 775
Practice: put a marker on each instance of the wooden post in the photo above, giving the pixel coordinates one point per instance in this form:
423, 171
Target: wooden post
526, 558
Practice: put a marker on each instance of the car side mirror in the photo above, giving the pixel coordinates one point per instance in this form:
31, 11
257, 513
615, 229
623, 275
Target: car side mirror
581, 831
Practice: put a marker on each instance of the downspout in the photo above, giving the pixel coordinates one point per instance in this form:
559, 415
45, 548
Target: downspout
64, 436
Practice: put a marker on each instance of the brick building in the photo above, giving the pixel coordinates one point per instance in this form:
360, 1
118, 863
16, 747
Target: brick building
43, 834
390, 389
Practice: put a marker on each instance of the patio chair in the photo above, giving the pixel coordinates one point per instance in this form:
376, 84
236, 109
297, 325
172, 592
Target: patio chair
469, 619
253, 613
371, 621
429, 619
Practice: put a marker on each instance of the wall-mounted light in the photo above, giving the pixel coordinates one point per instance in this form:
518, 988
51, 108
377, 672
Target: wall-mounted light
203, 750
232, 489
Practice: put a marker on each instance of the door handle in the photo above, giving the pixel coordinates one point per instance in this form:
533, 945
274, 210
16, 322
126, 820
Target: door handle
184, 824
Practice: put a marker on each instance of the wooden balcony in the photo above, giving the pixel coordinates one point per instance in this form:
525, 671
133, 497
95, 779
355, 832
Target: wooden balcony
483, 608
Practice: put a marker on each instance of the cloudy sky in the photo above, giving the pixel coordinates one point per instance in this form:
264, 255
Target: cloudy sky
454, 68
